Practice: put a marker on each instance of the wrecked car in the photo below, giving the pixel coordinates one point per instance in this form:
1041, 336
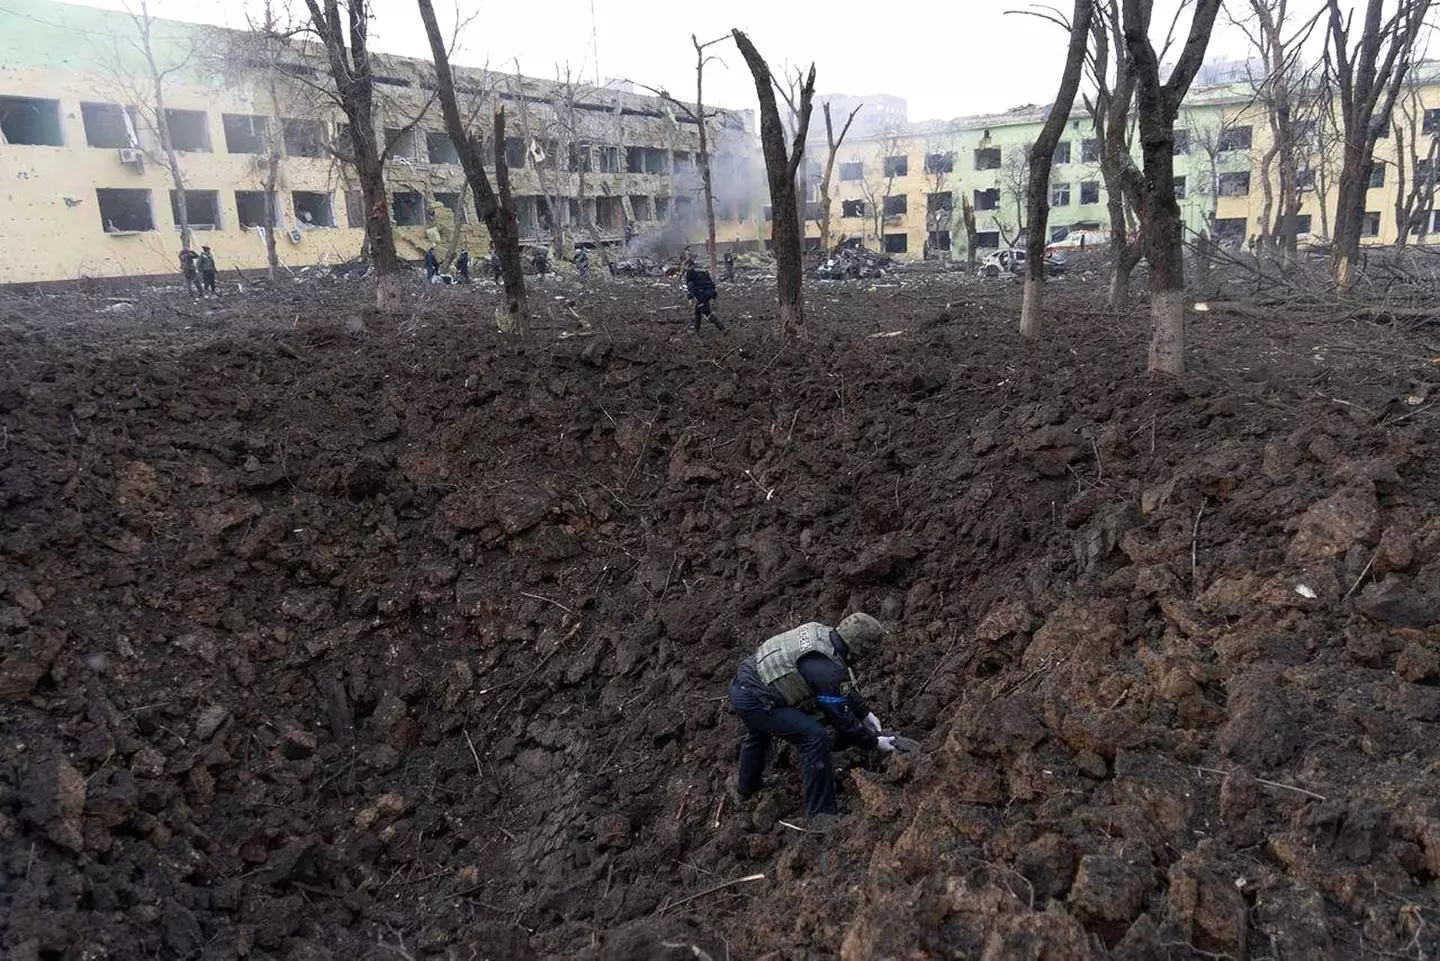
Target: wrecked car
1013, 262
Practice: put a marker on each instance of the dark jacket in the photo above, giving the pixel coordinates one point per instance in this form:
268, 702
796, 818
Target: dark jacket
432, 262
839, 703
699, 286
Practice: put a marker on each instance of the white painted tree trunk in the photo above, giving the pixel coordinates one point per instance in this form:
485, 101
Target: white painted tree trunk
1167, 338
1032, 309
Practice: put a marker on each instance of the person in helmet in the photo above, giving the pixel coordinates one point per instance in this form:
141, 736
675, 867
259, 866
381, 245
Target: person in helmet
785, 689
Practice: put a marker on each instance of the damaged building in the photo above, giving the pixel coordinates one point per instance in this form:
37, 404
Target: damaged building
89, 193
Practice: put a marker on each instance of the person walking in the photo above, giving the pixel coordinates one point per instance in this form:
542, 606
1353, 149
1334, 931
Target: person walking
206, 264
700, 290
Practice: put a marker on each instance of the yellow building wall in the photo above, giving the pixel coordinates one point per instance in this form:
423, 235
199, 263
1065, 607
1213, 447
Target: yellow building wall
50, 214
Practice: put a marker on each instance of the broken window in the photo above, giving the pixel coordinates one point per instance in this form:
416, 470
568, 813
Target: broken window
1304, 179
940, 163
682, 162
987, 199
634, 160
454, 202
1058, 234
31, 122
1424, 172
1089, 192
1302, 225
684, 208
1180, 185
897, 166
896, 205
408, 208
850, 208
1431, 123
608, 159
440, 149
244, 132
1090, 150
1234, 138
987, 158
987, 239
202, 208
654, 161
941, 203
640, 206
303, 138
402, 143
768, 213
608, 212
189, 130
897, 243
662, 208
1230, 231
251, 208
1371, 225
852, 171
1062, 153
313, 208
814, 210
355, 208
572, 211
1234, 184
543, 215
124, 211
109, 125
939, 240
1059, 195
1377, 174
515, 153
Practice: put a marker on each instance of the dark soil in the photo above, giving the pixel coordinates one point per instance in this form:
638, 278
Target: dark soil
325, 636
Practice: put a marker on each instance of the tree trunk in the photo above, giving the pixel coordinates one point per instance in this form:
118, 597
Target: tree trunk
972, 233
780, 169
272, 213
1157, 106
706, 181
496, 207
1042, 156
355, 87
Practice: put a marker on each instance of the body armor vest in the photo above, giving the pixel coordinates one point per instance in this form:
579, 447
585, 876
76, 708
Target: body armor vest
778, 658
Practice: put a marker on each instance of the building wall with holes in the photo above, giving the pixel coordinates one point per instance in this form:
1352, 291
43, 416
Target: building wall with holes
69, 182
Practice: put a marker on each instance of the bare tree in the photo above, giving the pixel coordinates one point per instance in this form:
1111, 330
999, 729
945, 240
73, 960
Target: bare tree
1415, 156
940, 201
1042, 155
495, 207
790, 93
832, 143
350, 72
1368, 76
1013, 180
1284, 92
1157, 105
877, 189
780, 168
1110, 117
149, 103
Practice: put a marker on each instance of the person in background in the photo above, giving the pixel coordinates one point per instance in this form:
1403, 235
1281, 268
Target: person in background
462, 265
582, 263
729, 266
432, 265
191, 273
700, 290
206, 263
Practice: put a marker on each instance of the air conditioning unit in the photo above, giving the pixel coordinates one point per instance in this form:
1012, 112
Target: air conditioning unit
133, 156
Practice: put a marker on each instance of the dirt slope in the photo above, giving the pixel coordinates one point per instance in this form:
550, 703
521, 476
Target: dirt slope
414, 642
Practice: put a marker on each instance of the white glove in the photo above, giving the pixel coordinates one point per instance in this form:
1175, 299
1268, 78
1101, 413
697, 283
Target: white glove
873, 723
885, 744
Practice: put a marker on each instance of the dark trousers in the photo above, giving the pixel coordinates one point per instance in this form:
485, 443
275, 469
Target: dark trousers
192, 282
702, 309
209, 276
763, 723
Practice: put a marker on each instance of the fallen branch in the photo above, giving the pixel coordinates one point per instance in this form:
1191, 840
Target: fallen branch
1361, 577
547, 600
1195, 542
711, 890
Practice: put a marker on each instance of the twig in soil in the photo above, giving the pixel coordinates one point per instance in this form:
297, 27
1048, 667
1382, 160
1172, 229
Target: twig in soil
1099, 467
479, 771
547, 600
715, 824
1261, 780
1361, 577
940, 664
711, 890
769, 492
1195, 541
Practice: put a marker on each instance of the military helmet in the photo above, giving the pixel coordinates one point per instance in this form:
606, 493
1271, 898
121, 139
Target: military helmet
861, 633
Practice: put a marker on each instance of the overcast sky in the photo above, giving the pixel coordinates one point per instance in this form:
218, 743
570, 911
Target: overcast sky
948, 58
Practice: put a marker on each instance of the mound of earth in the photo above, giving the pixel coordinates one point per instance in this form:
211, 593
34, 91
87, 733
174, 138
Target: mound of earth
327, 638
